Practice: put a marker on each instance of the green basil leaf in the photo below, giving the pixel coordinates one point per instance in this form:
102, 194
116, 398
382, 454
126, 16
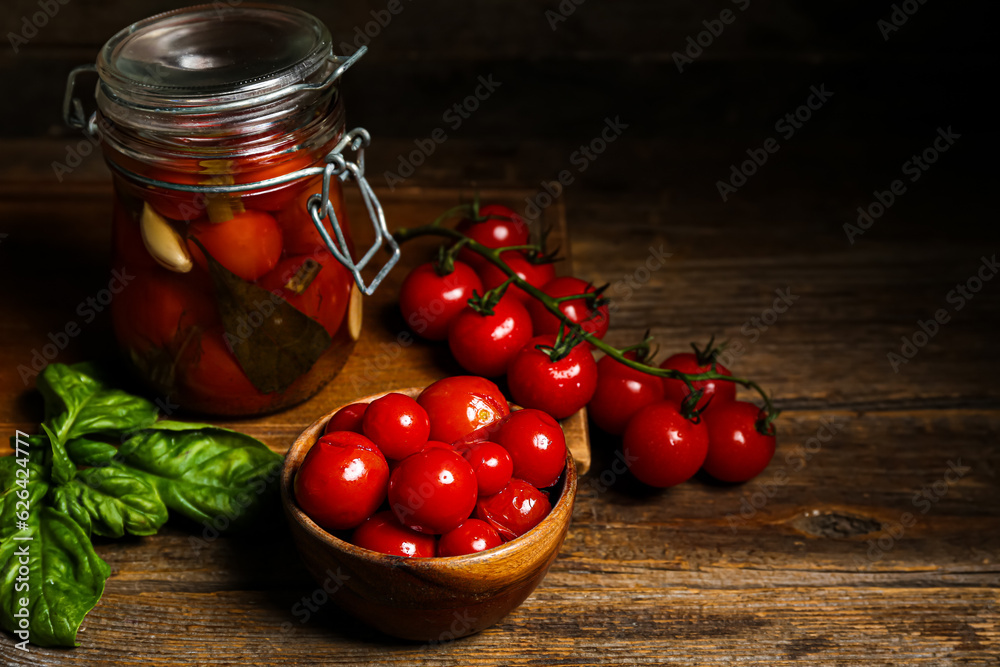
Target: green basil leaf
209, 475
64, 580
170, 425
63, 499
77, 402
87, 452
63, 469
279, 350
116, 500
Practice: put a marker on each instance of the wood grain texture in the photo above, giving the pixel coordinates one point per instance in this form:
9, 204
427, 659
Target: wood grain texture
860, 544
806, 563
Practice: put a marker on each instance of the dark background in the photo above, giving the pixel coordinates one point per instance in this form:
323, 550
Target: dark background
643, 576
615, 59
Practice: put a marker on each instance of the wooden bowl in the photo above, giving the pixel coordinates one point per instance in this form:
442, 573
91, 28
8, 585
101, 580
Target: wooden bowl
426, 599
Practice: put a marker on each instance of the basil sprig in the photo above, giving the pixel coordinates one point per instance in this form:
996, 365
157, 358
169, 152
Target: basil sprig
50, 507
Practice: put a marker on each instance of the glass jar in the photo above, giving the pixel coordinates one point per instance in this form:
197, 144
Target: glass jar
224, 130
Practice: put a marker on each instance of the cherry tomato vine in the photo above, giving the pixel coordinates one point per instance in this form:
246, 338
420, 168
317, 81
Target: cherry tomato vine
571, 332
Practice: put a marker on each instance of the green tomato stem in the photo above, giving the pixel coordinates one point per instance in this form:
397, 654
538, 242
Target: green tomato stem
552, 305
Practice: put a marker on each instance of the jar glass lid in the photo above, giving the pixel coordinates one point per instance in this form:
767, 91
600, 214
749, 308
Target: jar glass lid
212, 55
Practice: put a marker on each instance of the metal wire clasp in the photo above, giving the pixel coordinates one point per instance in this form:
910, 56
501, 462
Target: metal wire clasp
320, 207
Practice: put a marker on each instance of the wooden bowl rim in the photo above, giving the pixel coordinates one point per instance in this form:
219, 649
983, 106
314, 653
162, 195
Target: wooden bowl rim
561, 510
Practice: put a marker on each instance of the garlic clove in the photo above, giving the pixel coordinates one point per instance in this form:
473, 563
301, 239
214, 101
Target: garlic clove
163, 242
354, 312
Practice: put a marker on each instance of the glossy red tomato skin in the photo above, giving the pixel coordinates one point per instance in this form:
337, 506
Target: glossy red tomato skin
397, 424
429, 301
342, 480
514, 511
461, 404
492, 464
384, 534
621, 392
433, 491
536, 444
559, 388
249, 244
471, 537
535, 274
720, 392
509, 229
737, 451
661, 447
348, 418
485, 344
595, 322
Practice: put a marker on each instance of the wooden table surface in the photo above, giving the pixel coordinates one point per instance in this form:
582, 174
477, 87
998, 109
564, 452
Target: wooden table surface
873, 537
831, 556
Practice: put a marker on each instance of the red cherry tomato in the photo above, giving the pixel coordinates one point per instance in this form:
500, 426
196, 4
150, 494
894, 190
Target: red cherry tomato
308, 300
128, 248
158, 307
536, 274
433, 491
348, 418
335, 285
471, 537
559, 388
485, 344
383, 533
248, 244
208, 370
507, 229
518, 508
297, 227
536, 444
279, 196
492, 465
621, 392
397, 424
429, 302
661, 447
719, 391
593, 321
737, 451
342, 480
175, 204
437, 444
459, 405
